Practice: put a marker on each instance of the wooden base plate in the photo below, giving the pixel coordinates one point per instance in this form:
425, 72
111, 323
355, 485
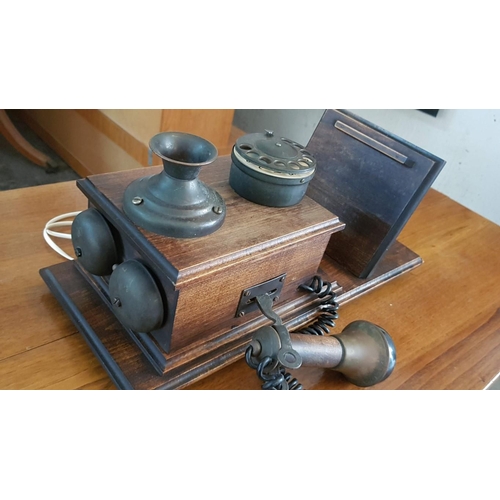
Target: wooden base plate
128, 367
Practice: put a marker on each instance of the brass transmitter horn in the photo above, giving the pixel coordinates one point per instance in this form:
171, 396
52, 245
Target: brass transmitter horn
175, 202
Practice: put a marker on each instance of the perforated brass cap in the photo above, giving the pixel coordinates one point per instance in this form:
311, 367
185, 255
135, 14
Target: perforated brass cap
276, 156
270, 171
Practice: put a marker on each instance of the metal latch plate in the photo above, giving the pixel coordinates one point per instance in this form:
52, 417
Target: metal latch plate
248, 303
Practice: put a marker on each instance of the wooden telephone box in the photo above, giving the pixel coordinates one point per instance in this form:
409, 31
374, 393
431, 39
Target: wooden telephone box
201, 313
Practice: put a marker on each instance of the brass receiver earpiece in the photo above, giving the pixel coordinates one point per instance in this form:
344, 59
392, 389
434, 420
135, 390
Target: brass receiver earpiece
364, 352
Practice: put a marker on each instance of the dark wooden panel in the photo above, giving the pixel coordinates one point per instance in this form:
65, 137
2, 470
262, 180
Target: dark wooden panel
372, 180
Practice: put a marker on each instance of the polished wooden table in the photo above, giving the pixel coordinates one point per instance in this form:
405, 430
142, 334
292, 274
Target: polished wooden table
443, 316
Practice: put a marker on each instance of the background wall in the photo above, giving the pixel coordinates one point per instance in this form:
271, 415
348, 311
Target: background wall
140, 123
468, 139
295, 124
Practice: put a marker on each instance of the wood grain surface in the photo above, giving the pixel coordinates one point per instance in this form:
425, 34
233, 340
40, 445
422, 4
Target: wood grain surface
248, 228
255, 244
212, 124
372, 180
443, 316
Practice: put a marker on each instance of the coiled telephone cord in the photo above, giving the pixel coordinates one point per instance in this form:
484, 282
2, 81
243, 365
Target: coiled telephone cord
272, 372
328, 306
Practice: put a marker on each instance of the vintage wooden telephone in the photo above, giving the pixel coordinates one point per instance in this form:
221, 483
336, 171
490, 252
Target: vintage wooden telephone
180, 272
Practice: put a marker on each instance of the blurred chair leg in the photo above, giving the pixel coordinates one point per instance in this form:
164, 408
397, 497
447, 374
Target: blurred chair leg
9, 131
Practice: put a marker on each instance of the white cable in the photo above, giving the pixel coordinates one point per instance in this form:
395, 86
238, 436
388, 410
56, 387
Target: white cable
65, 236
53, 223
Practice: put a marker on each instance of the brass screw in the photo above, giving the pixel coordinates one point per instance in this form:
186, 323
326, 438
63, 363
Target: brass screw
217, 210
